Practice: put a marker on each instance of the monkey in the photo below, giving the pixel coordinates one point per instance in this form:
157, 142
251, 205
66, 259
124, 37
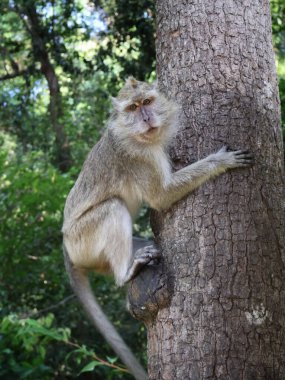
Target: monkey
128, 166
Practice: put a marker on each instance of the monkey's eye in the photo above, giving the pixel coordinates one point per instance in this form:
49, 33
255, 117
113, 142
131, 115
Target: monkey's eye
147, 102
132, 107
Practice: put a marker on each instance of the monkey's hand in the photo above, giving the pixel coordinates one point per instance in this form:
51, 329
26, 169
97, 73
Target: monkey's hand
143, 256
234, 159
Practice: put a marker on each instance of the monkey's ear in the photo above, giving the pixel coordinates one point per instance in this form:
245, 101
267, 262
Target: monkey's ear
115, 103
132, 82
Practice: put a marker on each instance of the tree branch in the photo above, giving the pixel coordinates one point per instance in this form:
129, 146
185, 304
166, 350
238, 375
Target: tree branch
49, 308
15, 74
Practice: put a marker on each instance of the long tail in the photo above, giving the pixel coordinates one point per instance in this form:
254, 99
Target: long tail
81, 287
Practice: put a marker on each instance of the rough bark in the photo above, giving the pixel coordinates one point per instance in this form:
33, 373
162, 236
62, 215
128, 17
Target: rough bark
223, 246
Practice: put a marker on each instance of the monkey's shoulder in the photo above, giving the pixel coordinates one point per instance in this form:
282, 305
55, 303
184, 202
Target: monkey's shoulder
101, 161
108, 173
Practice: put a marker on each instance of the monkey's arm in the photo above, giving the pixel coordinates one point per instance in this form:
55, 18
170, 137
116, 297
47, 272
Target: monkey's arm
191, 177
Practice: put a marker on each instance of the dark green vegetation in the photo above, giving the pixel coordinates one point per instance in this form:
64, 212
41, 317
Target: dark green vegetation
60, 62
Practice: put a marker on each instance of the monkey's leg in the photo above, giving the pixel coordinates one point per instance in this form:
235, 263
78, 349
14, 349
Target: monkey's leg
102, 240
117, 225
114, 236
192, 176
142, 257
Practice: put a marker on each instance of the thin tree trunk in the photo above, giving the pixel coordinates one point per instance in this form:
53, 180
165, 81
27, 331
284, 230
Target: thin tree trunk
223, 246
63, 154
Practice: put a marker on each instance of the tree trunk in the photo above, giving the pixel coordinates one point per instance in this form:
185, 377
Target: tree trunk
39, 37
223, 246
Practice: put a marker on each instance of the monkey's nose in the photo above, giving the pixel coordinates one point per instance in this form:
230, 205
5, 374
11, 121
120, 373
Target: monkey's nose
146, 119
145, 115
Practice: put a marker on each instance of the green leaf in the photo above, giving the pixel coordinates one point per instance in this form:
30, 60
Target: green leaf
90, 366
112, 360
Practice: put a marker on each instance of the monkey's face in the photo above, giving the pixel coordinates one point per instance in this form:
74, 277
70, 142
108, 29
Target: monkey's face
141, 117
143, 114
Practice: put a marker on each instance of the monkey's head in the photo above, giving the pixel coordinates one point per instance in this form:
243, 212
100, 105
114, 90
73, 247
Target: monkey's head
142, 114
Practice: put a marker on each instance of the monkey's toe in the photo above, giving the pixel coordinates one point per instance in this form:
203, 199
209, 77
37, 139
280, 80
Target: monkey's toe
146, 255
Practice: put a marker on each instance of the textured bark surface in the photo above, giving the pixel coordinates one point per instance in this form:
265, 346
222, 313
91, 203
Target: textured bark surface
223, 246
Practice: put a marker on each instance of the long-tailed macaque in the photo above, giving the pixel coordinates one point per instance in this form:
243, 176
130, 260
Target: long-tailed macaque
128, 166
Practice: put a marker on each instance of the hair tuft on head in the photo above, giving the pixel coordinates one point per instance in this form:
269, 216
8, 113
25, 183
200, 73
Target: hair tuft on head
132, 82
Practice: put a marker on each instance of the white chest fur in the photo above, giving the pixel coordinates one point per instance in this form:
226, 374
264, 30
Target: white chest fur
162, 165
135, 189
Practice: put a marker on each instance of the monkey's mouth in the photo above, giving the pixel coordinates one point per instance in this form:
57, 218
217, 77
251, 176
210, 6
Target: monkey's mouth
151, 131
148, 136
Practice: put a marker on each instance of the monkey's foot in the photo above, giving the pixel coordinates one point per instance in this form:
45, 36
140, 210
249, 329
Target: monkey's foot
142, 257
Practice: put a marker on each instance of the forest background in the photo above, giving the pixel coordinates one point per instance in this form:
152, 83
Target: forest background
60, 62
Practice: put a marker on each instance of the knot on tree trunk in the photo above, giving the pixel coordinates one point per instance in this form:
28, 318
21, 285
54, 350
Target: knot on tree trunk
149, 292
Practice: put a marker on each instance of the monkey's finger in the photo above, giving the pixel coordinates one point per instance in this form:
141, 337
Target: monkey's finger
248, 158
243, 155
245, 162
243, 152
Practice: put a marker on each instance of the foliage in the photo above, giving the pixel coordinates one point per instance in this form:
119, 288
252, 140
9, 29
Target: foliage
25, 347
130, 27
24, 344
278, 29
88, 67
278, 24
31, 198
